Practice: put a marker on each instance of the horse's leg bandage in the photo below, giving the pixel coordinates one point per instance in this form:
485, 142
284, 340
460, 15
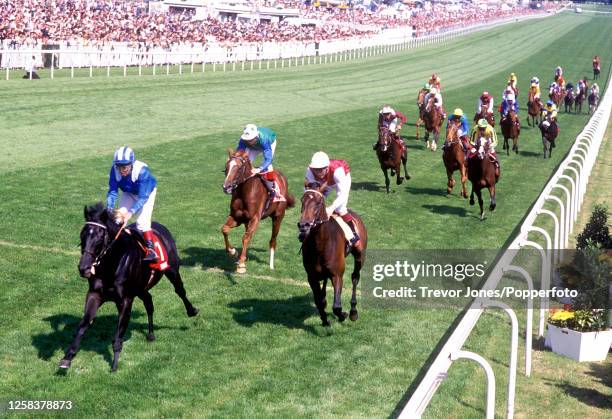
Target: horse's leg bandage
346, 229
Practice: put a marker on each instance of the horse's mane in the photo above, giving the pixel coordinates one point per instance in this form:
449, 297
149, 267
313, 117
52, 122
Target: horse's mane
94, 212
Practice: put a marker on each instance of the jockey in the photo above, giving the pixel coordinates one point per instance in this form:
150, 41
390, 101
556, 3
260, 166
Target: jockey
507, 91
459, 119
553, 88
424, 90
437, 101
583, 86
535, 80
595, 89
549, 112
484, 137
535, 88
558, 73
512, 82
336, 174
508, 104
139, 188
392, 120
259, 140
435, 81
485, 100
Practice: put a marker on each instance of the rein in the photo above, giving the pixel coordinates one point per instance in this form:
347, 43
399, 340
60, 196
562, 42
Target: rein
315, 222
107, 246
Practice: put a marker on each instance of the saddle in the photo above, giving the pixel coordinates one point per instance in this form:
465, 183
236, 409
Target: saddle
162, 254
348, 233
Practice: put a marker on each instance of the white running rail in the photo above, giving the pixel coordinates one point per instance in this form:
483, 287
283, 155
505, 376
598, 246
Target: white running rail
574, 170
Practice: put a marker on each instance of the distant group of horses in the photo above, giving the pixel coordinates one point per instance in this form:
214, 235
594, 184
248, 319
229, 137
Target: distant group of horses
112, 255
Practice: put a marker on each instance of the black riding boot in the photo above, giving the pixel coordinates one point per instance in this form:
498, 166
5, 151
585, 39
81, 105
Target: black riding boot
270, 187
151, 255
356, 237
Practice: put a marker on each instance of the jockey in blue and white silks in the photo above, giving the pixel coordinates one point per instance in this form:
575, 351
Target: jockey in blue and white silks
139, 188
463, 127
509, 103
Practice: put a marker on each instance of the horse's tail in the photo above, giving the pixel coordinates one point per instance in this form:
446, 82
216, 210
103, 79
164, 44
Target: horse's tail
290, 200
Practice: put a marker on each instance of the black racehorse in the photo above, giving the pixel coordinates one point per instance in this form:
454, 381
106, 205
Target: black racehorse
112, 261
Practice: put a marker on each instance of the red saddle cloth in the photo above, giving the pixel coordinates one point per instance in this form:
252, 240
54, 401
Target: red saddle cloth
400, 142
162, 254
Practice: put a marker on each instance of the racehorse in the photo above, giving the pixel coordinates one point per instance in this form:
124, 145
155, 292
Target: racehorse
557, 96
112, 261
421, 106
324, 251
593, 102
569, 100
391, 156
484, 113
549, 134
580, 100
433, 119
454, 159
249, 205
534, 109
510, 128
481, 173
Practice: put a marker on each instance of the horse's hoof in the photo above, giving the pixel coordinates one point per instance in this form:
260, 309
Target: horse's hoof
341, 316
492, 207
192, 312
232, 251
65, 363
150, 337
408, 176
354, 315
241, 268
325, 323
471, 201
400, 180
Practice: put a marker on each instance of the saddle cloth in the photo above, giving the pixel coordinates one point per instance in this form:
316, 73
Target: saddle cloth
162, 254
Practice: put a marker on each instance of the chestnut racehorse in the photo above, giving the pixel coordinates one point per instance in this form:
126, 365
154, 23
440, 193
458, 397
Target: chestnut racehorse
485, 114
534, 109
557, 96
454, 159
432, 116
510, 128
421, 106
250, 204
324, 253
391, 156
481, 172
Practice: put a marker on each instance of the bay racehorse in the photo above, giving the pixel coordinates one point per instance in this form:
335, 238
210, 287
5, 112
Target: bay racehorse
485, 114
534, 109
510, 128
569, 100
433, 119
324, 251
557, 96
454, 159
593, 101
250, 204
112, 261
421, 107
549, 131
481, 173
391, 155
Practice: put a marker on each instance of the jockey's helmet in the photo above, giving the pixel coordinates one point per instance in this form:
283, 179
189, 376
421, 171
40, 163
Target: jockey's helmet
550, 103
485, 95
510, 97
433, 91
427, 86
482, 123
124, 156
250, 132
512, 75
434, 76
320, 160
387, 109
458, 112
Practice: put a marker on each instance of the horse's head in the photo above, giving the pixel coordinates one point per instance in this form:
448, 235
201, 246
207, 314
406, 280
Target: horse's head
452, 133
313, 209
237, 170
384, 138
95, 237
429, 106
512, 115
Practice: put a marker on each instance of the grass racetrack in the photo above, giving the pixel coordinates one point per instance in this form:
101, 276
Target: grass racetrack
257, 347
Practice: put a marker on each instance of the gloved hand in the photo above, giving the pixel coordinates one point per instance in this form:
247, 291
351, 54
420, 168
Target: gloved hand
255, 171
122, 215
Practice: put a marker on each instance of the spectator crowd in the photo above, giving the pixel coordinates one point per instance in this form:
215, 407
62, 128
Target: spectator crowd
99, 22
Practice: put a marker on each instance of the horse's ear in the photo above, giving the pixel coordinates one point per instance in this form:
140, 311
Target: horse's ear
311, 185
85, 212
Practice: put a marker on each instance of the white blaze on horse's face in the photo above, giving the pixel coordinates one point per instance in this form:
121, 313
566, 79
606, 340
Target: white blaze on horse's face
230, 169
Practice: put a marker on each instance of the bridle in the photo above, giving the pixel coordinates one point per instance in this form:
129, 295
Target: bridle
240, 175
108, 243
384, 138
308, 225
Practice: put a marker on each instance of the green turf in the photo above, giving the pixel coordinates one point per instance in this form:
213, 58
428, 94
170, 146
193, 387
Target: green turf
257, 347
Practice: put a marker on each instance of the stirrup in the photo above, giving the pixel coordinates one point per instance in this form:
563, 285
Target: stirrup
355, 239
151, 256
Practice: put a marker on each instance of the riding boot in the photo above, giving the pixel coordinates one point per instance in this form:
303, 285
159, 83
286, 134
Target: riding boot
269, 178
151, 256
348, 218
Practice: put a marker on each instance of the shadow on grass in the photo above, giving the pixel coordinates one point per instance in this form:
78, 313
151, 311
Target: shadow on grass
530, 154
290, 313
214, 258
602, 372
446, 210
98, 337
427, 191
585, 395
368, 186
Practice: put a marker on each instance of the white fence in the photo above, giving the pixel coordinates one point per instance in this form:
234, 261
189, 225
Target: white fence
574, 172
224, 58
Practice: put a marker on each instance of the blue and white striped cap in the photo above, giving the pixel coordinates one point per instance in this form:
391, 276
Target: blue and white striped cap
124, 155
